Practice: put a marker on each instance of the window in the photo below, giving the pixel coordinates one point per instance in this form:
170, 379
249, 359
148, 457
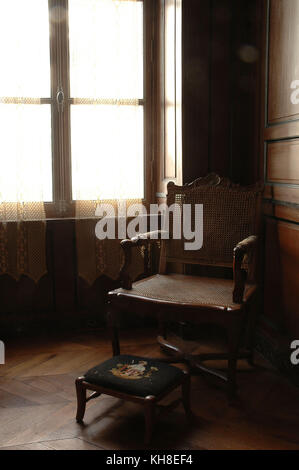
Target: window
25, 107
75, 100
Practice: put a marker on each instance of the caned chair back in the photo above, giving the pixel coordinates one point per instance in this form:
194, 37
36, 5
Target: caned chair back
230, 214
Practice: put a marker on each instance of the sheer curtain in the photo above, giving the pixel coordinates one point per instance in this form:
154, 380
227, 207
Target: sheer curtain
25, 159
25, 123
107, 114
25, 136
107, 123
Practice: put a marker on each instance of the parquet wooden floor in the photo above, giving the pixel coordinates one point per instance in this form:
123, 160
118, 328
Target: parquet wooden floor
38, 403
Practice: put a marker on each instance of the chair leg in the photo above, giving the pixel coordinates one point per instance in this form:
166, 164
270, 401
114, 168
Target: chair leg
251, 332
234, 335
186, 394
113, 330
81, 400
162, 329
149, 415
250, 358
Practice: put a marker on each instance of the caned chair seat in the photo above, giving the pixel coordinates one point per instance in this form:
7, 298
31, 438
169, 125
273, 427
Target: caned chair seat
134, 375
186, 290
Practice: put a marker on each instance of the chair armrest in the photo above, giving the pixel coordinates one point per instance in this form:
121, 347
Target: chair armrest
245, 247
144, 239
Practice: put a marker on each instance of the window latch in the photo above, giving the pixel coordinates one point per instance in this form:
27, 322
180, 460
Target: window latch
60, 100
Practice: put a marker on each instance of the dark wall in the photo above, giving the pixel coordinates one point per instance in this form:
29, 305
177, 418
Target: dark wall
221, 60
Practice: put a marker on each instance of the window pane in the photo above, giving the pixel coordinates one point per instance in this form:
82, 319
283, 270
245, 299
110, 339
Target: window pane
25, 153
107, 152
24, 48
107, 59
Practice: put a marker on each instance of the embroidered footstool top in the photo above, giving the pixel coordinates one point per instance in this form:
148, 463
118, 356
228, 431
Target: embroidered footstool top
134, 375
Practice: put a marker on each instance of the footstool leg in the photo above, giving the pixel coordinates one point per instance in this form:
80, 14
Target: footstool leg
149, 415
186, 394
81, 399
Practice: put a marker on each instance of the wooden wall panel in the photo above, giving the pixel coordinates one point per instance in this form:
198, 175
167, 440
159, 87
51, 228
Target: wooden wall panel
283, 162
288, 236
281, 211
288, 194
280, 161
283, 59
196, 27
245, 83
221, 87
273, 300
281, 277
221, 63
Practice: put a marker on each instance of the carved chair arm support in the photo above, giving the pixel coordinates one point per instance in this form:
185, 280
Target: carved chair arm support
144, 239
245, 247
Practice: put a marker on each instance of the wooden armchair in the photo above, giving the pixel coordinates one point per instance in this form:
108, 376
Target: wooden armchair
230, 228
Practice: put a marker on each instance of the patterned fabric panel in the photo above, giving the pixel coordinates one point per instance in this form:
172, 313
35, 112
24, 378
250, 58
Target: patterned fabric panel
134, 375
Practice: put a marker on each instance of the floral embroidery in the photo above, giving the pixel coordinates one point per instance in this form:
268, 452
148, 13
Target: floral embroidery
133, 371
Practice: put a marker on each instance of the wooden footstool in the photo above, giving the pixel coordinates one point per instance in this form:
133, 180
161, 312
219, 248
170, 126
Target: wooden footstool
133, 378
